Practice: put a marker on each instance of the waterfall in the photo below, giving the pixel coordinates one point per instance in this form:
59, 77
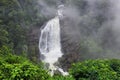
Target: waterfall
49, 43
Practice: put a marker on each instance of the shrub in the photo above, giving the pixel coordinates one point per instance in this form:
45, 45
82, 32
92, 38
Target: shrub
14, 67
96, 70
60, 77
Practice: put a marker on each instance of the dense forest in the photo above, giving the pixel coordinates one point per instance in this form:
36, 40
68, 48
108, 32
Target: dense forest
89, 37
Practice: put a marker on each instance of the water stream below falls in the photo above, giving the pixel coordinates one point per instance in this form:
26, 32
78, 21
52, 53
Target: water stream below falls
49, 43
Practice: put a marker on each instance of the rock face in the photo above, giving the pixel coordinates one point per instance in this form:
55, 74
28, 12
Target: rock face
70, 46
33, 40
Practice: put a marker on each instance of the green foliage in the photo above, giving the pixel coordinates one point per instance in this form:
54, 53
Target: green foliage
14, 67
16, 17
96, 70
60, 77
25, 71
5, 50
3, 37
115, 65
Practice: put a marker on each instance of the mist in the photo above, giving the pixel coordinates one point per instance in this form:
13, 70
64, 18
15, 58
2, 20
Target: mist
89, 24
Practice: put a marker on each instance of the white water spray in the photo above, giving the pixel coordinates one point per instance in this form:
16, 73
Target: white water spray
49, 43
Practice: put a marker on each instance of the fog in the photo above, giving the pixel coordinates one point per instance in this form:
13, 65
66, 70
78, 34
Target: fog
94, 23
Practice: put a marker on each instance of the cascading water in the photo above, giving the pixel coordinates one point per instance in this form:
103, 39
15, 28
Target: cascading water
49, 43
